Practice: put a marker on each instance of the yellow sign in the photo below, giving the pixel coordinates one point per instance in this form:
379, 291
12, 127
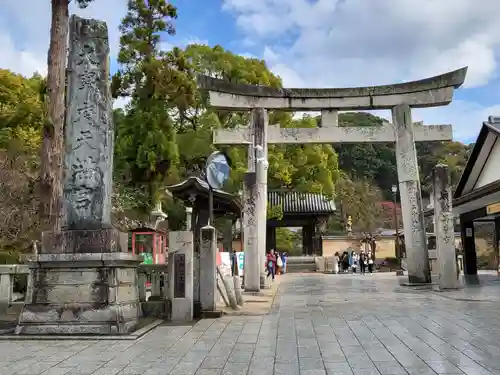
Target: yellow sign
493, 208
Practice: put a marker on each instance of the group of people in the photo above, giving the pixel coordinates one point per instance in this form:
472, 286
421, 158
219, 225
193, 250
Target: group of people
275, 263
351, 261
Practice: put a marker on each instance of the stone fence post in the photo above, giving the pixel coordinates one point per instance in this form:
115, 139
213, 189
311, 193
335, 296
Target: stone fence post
250, 237
208, 271
445, 235
180, 275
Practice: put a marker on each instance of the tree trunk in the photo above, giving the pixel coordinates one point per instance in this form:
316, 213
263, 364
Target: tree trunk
53, 132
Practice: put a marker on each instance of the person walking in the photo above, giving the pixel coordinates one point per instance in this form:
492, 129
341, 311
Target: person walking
234, 263
355, 261
336, 263
370, 262
362, 263
284, 257
271, 264
345, 262
279, 264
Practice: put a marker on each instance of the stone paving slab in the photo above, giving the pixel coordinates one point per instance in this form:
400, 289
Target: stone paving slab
256, 304
319, 324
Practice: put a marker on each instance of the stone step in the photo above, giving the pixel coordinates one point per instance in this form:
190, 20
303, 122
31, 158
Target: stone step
297, 268
300, 260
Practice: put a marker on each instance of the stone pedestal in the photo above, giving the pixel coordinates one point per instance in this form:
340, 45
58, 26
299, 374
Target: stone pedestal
445, 234
411, 197
208, 271
250, 239
81, 283
180, 275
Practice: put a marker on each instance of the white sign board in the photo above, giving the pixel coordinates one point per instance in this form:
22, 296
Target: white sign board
225, 264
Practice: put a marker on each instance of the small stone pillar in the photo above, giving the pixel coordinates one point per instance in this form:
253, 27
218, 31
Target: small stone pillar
252, 273
445, 234
180, 275
208, 271
411, 197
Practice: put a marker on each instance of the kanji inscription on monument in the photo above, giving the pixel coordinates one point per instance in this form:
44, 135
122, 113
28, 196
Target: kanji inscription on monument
180, 276
89, 130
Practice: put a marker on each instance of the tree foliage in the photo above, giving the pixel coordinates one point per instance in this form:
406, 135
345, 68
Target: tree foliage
288, 241
377, 161
359, 199
192, 121
146, 149
375, 164
21, 121
304, 167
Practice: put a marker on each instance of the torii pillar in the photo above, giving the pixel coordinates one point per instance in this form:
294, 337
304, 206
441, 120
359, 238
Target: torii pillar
399, 98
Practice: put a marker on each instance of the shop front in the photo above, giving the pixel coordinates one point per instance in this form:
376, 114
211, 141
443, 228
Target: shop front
477, 196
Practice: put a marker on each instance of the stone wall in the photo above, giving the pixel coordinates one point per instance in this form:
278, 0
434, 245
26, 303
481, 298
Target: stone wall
385, 245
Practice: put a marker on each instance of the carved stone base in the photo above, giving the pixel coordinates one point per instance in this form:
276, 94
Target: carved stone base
86, 293
106, 240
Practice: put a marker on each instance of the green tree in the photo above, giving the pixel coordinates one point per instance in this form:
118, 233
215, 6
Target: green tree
299, 167
454, 154
21, 120
308, 168
288, 241
20, 102
372, 161
146, 151
377, 161
359, 199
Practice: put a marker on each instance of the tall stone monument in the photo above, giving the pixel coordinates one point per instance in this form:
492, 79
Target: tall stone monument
83, 281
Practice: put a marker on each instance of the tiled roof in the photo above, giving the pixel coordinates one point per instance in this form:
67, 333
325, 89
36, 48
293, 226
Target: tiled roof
294, 202
182, 189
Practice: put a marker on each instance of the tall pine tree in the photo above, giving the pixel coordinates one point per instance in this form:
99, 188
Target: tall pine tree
146, 149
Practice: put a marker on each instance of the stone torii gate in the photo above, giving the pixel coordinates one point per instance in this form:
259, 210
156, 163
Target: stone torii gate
399, 98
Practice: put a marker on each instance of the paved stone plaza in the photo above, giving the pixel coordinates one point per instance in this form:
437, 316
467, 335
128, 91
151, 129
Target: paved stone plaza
319, 324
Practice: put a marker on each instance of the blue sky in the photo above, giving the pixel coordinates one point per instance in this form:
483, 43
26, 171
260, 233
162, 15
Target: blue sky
316, 43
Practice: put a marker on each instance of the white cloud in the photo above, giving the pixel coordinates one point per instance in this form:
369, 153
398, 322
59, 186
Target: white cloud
166, 46
342, 43
121, 102
19, 60
24, 35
